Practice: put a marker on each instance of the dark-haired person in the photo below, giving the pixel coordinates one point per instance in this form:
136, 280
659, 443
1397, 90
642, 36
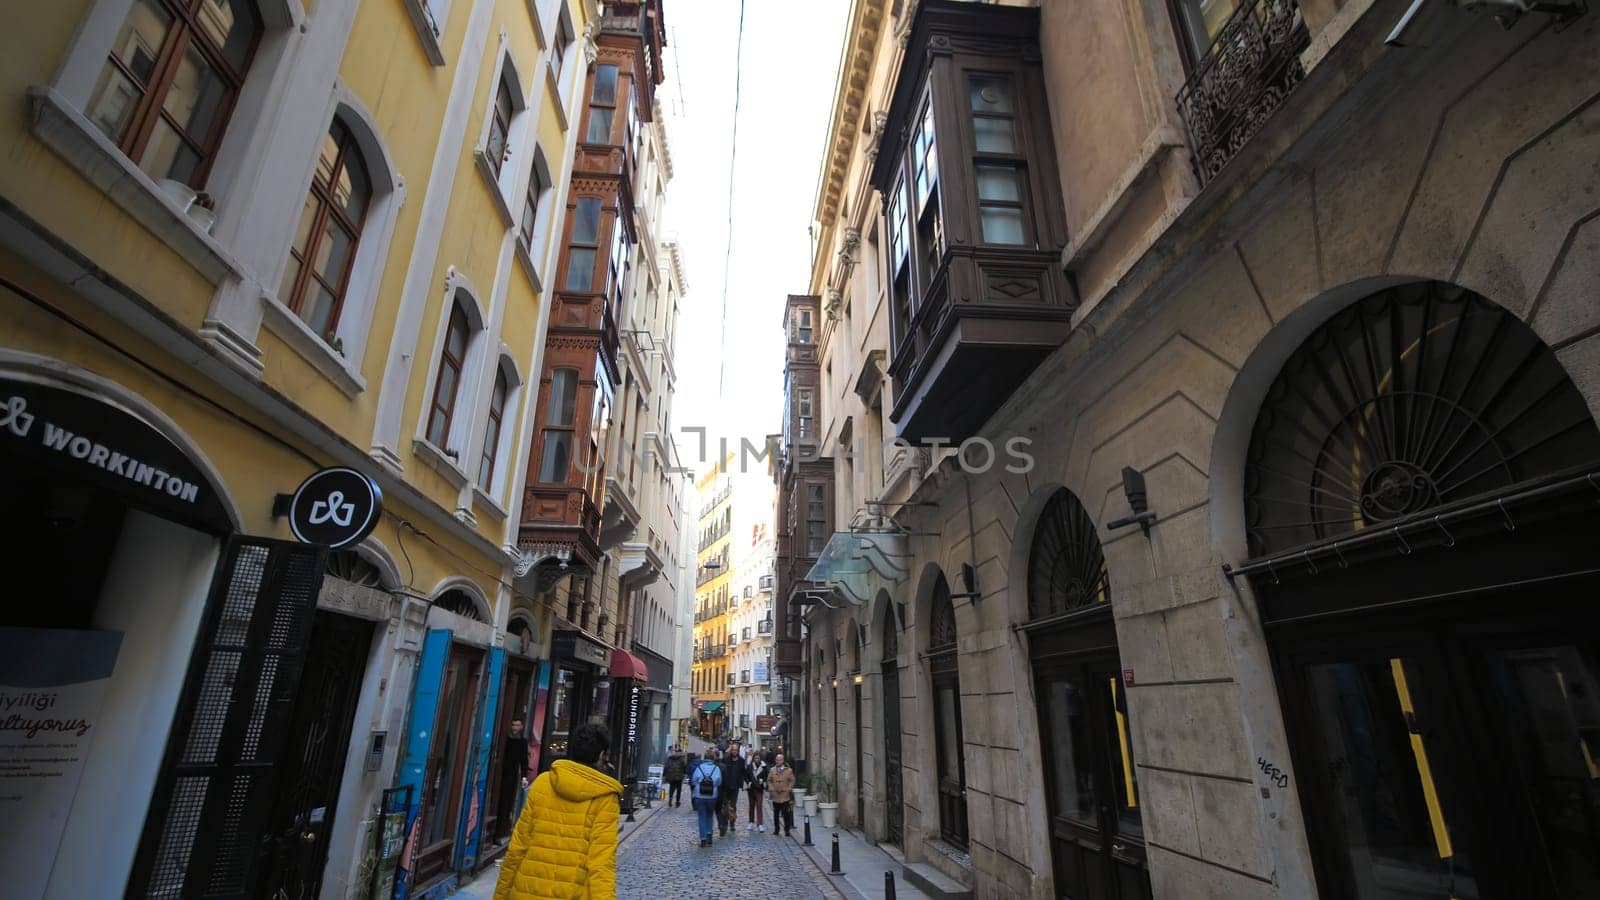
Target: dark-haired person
565, 845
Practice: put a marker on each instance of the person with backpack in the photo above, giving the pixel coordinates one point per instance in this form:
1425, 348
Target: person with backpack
705, 786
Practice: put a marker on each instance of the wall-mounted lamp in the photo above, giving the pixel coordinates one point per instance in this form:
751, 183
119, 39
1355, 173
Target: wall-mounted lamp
836, 682
1138, 501
858, 678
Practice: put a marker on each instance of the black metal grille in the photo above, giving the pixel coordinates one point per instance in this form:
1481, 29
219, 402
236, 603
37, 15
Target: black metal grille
1253, 64
1415, 397
942, 620
1066, 567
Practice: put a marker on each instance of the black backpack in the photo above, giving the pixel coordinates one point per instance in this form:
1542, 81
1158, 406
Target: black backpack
708, 786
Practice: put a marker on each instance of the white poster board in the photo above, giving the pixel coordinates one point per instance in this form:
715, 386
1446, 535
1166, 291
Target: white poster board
52, 685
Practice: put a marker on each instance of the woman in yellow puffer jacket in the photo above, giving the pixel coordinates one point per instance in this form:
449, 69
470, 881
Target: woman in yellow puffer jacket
565, 844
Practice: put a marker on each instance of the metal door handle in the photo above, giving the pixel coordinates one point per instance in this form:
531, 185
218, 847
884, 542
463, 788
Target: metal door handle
1119, 848
309, 837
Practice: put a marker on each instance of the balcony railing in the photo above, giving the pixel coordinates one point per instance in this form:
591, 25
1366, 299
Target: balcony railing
762, 627
765, 583
1252, 66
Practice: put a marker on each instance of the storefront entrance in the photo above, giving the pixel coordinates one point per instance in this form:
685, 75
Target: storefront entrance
1097, 843
448, 760
313, 765
1422, 497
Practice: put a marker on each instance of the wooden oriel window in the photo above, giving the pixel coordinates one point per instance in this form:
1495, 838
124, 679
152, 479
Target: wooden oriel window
324, 246
171, 81
498, 147
584, 245
555, 453
816, 518
491, 430
602, 105
452, 362
617, 265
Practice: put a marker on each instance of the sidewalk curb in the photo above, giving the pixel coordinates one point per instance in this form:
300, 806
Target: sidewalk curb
640, 817
823, 861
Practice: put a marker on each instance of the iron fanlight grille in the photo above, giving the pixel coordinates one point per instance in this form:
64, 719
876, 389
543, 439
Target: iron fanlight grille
1066, 567
1413, 398
942, 621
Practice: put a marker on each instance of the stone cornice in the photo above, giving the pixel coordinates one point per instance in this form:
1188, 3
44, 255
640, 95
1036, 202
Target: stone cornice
855, 74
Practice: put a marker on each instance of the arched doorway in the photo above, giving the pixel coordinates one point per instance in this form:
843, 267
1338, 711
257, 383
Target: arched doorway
1420, 499
951, 767
1097, 844
893, 786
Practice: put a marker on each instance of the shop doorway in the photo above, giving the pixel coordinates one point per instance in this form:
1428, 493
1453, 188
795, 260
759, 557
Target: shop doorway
949, 743
1097, 843
1432, 471
318, 741
443, 786
506, 773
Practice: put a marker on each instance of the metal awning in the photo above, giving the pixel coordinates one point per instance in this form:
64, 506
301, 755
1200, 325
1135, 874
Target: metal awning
711, 706
857, 563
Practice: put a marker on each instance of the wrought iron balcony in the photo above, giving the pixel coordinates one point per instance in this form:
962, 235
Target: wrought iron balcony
1251, 68
764, 626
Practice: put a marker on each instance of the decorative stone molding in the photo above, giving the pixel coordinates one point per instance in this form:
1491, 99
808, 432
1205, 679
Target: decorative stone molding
835, 300
880, 121
534, 554
591, 50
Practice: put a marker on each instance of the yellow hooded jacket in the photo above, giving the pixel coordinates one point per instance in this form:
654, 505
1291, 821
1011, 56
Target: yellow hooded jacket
565, 844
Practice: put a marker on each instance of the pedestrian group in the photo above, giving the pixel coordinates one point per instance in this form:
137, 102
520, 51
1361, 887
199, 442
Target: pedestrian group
718, 777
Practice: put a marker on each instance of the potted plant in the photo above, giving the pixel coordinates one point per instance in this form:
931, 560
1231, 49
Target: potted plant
802, 789
825, 802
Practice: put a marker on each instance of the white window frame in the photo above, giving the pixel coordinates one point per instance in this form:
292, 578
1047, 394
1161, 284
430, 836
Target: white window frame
537, 246
558, 77
464, 420
430, 18
372, 251
492, 495
502, 186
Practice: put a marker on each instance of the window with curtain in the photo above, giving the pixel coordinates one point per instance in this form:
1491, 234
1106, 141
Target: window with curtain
324, 245
538, 185
498, 147
171, 81
998, 161
491, 431
602, 105
555, 454
584, 246
447, 384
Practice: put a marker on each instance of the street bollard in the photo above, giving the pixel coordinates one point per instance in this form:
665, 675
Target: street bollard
808, 834
888, 885
836, 869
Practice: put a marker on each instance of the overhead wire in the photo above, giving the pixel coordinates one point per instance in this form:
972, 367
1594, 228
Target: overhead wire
727, 251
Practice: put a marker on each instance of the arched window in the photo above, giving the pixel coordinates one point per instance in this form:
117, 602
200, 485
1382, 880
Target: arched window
894, 789
329, 230
1413, 398
492, 427
170, 83
555, 454
447, 384
1066, 567
534, 210
948, 742
461, 603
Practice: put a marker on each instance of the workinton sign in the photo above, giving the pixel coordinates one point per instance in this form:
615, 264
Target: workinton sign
90, 440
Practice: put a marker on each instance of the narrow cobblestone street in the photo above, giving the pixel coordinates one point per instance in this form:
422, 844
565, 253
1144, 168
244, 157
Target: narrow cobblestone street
663, 860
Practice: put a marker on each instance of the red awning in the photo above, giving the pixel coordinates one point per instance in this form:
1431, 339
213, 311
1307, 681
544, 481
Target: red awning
626, 665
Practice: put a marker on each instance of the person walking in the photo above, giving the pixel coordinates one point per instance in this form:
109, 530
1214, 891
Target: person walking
733, 780
565, 843
757, 781
780, 786
705, 786
513, 778
673, 773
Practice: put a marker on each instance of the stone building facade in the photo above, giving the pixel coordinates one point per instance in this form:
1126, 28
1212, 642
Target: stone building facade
1280, 593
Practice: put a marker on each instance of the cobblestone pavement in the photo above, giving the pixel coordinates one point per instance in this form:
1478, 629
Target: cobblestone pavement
663, 860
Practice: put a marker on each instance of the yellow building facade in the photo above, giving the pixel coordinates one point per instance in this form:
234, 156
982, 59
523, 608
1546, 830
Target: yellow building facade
242, 242
712, 601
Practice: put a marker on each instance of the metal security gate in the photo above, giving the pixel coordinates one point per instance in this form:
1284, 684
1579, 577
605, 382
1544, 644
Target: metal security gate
214, 795
313, 765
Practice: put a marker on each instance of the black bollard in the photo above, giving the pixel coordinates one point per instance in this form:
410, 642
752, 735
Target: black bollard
808, 833
836, 869
888, 886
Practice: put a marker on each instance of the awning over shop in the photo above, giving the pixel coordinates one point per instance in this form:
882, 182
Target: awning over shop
626, 665
857, 563
711, 706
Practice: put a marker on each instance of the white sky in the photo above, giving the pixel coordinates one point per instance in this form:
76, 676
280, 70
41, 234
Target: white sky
790, 61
